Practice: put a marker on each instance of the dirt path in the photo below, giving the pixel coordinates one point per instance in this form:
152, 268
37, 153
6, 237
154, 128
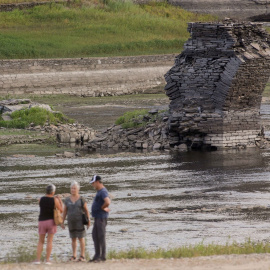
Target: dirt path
224, 262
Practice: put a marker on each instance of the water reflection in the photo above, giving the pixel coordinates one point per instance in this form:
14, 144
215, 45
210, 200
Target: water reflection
160, 200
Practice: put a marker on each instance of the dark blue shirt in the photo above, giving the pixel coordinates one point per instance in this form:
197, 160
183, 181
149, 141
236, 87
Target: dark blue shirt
97, 212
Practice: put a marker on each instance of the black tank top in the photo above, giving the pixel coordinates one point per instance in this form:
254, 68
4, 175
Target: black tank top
46, 205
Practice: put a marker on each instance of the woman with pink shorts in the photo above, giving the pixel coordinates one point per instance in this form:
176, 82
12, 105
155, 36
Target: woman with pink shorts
46, 223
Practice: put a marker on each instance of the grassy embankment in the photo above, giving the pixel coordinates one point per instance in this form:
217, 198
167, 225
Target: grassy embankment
94, 28
27, 254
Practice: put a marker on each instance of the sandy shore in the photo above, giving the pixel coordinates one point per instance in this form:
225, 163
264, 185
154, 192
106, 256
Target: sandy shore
224, 262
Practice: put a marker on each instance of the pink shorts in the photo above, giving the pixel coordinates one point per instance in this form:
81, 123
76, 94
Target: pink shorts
47, 226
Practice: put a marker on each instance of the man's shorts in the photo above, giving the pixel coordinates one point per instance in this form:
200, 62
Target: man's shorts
47, 226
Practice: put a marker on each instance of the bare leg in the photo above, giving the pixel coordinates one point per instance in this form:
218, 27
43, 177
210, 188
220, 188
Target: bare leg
74, 247
49, 246
40, 246
82, 245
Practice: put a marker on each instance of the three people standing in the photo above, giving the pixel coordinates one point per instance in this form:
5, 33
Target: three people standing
75, 206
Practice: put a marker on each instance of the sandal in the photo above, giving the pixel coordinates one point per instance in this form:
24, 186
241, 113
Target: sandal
81, 259
73, 259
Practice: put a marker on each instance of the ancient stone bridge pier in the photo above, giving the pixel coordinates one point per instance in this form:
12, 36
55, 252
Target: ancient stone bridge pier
216, 85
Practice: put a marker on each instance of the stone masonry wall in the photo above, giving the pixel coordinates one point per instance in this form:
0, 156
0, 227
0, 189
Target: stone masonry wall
83, 76
216, 85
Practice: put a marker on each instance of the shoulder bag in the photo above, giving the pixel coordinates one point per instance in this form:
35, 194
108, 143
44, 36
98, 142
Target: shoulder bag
57, 216
85, 219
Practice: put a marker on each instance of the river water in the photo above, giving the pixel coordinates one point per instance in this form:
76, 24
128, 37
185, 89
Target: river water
165, 199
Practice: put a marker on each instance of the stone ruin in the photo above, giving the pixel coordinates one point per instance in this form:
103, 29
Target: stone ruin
215, 89
216, 85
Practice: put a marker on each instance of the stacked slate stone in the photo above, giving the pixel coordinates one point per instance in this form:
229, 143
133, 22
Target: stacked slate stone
216, 85
152, 136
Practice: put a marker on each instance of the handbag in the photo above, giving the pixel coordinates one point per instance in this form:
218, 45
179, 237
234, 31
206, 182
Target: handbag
85, 219
57, 216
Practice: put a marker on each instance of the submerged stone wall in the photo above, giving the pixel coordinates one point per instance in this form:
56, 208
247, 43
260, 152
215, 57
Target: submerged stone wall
216, 85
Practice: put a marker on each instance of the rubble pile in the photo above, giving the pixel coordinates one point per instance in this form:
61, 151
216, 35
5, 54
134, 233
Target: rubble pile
151, 136
65, 133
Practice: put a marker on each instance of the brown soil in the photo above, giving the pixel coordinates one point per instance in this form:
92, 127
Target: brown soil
222, 262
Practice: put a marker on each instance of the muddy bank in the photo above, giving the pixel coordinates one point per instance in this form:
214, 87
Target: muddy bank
159, 200
102, 112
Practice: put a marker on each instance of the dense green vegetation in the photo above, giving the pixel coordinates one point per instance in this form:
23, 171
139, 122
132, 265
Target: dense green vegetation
35, 116
94, 28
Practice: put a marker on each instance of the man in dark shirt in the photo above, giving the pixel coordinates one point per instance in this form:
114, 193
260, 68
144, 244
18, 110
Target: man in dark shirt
100, 213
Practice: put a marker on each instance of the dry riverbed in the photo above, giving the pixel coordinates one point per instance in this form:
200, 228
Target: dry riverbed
221, 262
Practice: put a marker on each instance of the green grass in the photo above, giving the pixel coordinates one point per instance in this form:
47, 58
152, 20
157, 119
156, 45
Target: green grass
137, 118
16, 132
22, 254
91, 28
36, 116
28, 253
132, 119
67, 100
201, 249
